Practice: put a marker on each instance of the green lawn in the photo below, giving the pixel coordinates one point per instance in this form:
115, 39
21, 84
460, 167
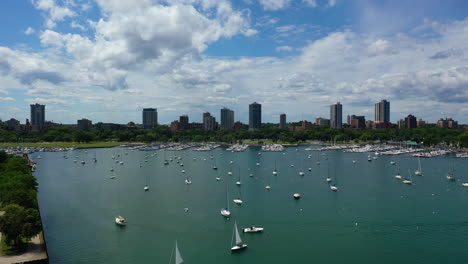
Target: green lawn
65, 144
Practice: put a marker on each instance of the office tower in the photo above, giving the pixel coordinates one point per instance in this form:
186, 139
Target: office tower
183, 122
410, 121
320, 121
84, 124
282, 121
336, 111
37, 115
382, 114
150, 118
255, 116
358, 122
227, 118
209, 122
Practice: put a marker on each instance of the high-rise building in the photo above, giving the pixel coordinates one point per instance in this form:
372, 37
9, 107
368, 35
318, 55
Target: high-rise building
282, 121
37, 115
358, 122
410, 121
227, 118
382, 111
336, 113
209, 122
255, 116
320, 121
84, 124
183, 122
150, 118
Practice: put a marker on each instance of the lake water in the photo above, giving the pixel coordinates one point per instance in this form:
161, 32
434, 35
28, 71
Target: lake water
373, 218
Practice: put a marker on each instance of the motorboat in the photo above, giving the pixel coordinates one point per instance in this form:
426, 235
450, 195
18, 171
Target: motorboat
252, 229
238, 201
119, 220
297, 196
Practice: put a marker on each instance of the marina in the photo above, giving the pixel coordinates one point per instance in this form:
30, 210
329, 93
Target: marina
80, 203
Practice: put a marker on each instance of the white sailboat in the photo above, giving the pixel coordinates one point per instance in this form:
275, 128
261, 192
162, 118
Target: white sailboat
328, 179
178, 256
451, 176
297, 196
408, 181
419, 170
238, 245
252, 229
225, 211
275, 171
119, 220
238, 182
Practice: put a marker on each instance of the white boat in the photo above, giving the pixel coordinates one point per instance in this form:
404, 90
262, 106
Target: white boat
183, 171
231, 162
354, 161
188, 181
83, 162
229, 173
398, 176
146, 188
258, 163
268, 187
251, 175
369, 158
112, 177
225, 211
333, 188
252, 229
178, 257
119, 220
451, 177
419, 170
408, 181
292, 165
238, 182
121, 163
465, 184
166, 162
296, 196
310, 169
328, 179
301, 173
392, 162
218, 178
275, 171
111, 169
238, 201
238, 245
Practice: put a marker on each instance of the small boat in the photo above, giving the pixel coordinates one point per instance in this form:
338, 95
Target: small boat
301, 173
229, 173
83, 162
166, 162
292, 165
238, 201
354, 161
183, 171
392, 162
238, 245
329, 179
121, 163
146, 188
188, 181
231, 162
119, 220
334, 188
250, 175
465, 184
111, 169
310, 169
258, 163
275, 171
252, 229
408, 181
419, 170
218, 178
268, 187
297, 196
214, 167
369, 158
225, 211
398, 176
112, 177
451, 177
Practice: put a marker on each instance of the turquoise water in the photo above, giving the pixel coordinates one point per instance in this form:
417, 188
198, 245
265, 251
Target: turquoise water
374, 218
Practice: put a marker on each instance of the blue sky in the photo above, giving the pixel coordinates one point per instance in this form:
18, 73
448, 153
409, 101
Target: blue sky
107, 59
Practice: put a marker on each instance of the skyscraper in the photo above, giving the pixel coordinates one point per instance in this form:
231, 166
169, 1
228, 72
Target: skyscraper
183, 122
382, 114
255, 116
282, 121
336, 113
227, 118
209, 122
410, 121
37, 115
150, 118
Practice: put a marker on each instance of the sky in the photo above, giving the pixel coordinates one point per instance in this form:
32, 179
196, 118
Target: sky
105, 60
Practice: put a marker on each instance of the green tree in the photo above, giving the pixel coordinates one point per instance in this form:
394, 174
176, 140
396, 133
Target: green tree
19, 225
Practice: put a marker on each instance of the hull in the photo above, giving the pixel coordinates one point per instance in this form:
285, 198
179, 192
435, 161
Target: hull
238, 247
253, 229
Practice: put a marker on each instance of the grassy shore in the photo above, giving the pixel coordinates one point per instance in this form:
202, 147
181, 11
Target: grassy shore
65, 144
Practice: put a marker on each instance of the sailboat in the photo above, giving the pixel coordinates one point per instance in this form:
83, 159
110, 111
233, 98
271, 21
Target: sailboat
165, 160
301, 173
328, 179
146, 188
275, 171
451, 176
408, 181
119, 220
419, 170
238, 182
178, 257
225, 211
333, 186
398, 175
238, 245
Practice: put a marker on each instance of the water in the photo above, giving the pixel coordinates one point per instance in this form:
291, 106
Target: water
373, 218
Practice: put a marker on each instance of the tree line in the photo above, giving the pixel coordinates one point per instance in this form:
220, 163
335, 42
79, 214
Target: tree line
18, 199
427, 135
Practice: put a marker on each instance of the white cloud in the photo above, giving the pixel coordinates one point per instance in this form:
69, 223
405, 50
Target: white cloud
311, 3
54, 12
331, 3
7, 99
283, 48
74, 24
52, 101
29, 31
285, 28
274, 4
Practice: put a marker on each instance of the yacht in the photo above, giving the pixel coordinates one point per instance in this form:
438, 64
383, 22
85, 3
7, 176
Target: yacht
237, 201
238, 245
252, 229
296, 196
333, 188
146, 188
119, 220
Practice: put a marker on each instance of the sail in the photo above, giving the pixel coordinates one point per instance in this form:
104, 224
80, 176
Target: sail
178, 257
238, 239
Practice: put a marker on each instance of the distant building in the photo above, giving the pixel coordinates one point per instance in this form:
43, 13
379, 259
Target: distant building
401, 123
238, 125
209, 121
410, 121
255, 116
382, 114
227, 118
421, 123
37, 115
106, 126
336, 114
194, 125
12, 124
175, 125
300, 126
282, 123
183, 122
84, 124
150, 118
357, 122
369, 124
319, 121
447, 123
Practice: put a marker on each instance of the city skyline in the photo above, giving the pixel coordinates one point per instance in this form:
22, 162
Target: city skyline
83, 60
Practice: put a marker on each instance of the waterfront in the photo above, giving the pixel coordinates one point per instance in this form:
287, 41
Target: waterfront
374, 217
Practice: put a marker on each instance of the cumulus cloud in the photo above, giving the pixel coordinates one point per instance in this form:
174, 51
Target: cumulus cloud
311, 3
7, 99
29, 31
274, 4
54, 12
